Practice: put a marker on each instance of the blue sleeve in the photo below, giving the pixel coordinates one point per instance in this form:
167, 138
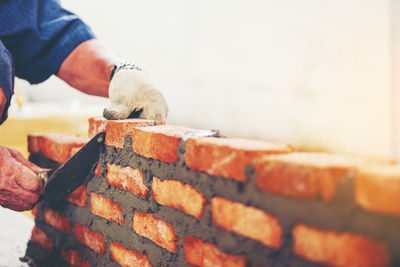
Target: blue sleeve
40, 34
6, 78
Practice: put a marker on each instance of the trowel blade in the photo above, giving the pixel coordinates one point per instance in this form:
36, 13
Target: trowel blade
73, 173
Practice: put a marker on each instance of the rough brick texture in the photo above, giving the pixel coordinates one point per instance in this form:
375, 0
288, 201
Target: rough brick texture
227, 157
97, 170
304, 175
116, 129
35, 210
106, 208
159, 142
128, 257
93, 240
247, 221
174, 196
377, 188
57, 147
40, 237
200, 253
338, 249
57, 220
73, 258
127, 178
156, 229
180, 196
78, 197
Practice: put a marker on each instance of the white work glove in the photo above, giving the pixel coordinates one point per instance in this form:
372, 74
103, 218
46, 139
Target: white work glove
130, 91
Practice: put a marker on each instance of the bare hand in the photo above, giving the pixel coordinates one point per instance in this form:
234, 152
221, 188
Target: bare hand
20, 187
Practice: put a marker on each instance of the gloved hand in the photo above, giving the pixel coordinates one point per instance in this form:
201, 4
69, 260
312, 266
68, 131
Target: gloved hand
130, 91
20, 187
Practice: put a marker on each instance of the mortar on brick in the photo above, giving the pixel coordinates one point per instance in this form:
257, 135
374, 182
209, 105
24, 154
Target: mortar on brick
339, 214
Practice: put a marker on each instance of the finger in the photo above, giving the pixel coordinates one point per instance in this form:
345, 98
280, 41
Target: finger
154, 112
117, 112
18, 200
28, 180
20, 158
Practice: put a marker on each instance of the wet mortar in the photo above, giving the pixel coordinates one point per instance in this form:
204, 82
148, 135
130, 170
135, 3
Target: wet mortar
340, 214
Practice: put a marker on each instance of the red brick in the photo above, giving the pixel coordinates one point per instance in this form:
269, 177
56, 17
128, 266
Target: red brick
97, 170
93, 240
338, 249
227, 157
40, 237
127, 178
35, 210
57, 220
304, 175
54, 146
200, 253
106, 208
34, 142
117, 129
377, 188
78, 197
247, 221
128, 257
74, 150
73, 258
180, 196
158, 142
156, 229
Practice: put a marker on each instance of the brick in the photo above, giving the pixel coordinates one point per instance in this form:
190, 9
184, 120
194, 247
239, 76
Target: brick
117, 129
93, 240
159, 142
73, 258
200, 253
155, 229
57, 220
246, 221
304, 175
56, 147
74, 150
377, 188
34, 142
97, 170
35, 210
128, 257
178, 195
41, 238
78, 197
227, 157
338, 249
106, 208
127, 178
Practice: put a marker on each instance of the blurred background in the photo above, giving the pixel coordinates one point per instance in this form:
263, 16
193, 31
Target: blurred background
320, 75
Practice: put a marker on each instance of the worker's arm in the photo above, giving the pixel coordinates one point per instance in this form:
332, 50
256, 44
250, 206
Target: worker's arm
88, 68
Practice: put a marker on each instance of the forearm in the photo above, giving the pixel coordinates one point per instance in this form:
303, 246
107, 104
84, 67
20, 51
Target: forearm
88, 68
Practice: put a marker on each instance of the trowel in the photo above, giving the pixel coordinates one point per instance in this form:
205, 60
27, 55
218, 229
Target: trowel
62, 181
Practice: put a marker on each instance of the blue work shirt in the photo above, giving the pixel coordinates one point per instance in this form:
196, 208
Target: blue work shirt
35, 38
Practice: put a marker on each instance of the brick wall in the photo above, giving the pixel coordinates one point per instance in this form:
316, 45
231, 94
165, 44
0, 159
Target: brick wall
164, 195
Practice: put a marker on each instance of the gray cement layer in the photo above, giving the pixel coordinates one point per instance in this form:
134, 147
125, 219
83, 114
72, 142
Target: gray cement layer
340, 214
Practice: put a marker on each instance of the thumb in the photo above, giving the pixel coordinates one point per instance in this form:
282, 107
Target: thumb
28, 180
117, 112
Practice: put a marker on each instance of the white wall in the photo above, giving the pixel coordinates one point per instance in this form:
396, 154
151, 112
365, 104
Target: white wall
312, 73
